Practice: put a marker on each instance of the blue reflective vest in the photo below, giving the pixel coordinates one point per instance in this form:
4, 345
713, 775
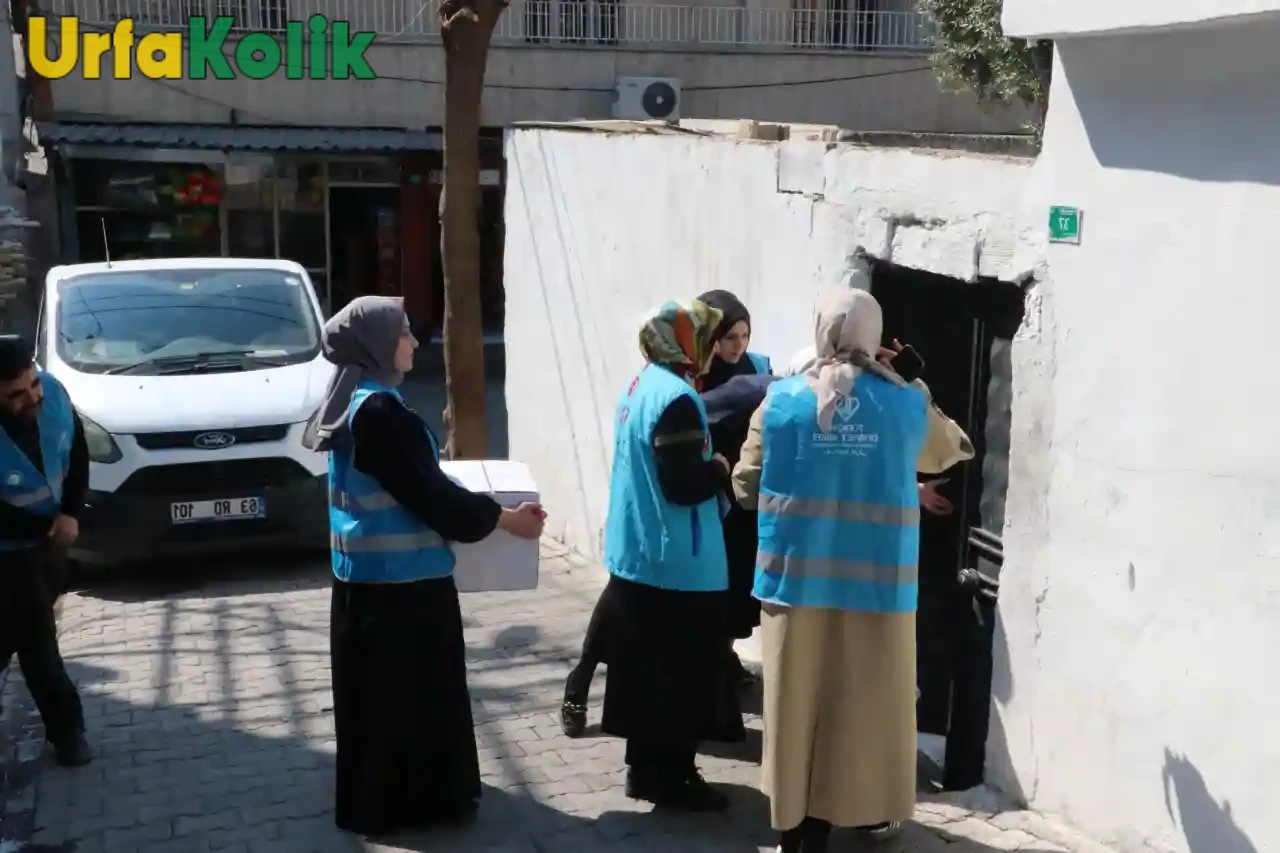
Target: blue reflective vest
840, 511
760, 362
21, 483
372, 538
647, 539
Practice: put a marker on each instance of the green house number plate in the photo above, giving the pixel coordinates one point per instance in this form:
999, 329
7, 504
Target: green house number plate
1064, 225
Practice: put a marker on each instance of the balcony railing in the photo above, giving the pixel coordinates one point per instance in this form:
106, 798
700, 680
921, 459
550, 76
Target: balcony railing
559, 22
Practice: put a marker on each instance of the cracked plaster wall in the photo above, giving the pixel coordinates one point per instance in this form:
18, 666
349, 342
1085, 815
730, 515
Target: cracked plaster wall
1140, 599
603, 226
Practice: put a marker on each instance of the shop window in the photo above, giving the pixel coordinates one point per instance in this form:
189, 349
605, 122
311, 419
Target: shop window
300, 194
250, 220
147, 210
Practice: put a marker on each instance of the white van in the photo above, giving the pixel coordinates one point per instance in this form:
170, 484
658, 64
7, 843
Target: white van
194, 378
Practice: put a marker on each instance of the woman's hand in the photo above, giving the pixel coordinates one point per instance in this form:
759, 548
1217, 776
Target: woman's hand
885, 355
723, 464
525, 521
931, 500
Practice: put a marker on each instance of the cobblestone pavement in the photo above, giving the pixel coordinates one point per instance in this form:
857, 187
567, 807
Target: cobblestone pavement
209, 705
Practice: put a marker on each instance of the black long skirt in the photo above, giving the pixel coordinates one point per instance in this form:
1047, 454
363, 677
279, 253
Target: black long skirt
669, 679
406, 739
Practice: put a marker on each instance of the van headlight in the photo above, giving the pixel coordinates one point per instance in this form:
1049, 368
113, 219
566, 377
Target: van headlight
102, 447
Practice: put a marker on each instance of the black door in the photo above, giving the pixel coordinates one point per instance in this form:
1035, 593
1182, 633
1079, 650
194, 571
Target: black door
958, 328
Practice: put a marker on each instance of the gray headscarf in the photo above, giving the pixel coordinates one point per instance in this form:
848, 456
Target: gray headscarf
361, 340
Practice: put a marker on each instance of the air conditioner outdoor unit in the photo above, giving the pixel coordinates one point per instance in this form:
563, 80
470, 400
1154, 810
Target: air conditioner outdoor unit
641, 98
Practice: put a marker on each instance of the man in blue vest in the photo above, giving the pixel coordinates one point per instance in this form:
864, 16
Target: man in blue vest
44, 474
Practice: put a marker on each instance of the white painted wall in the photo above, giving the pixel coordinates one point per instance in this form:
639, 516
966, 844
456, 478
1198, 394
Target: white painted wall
602, 227
1140, 599
1057, 19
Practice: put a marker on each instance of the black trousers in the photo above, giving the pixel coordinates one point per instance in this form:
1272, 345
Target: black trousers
661, 762
578, 685
29, 582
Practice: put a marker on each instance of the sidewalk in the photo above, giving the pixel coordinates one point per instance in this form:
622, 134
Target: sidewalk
21, 742
209, 709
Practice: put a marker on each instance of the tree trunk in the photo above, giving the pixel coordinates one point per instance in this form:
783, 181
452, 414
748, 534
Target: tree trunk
466, 27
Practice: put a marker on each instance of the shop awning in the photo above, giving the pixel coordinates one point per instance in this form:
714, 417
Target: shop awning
212, 137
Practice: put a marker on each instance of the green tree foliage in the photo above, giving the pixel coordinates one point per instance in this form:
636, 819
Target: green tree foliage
972, 52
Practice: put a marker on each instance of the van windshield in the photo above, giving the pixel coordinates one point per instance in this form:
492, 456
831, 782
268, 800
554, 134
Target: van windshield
185, 321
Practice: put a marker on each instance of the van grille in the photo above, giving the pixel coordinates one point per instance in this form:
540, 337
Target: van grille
224, 478
186, 440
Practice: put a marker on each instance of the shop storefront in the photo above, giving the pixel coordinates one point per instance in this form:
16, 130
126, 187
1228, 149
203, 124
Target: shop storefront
338, 217
358, 222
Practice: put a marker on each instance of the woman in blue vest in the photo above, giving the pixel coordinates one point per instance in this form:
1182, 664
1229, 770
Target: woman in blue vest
406, 745
663, 609
732, 389
831, 463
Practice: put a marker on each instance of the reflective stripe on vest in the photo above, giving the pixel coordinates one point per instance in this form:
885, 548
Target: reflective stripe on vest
832, 568
24, 485
372, 502
373, 538
385, 542
25, 499
840, 510
648, 539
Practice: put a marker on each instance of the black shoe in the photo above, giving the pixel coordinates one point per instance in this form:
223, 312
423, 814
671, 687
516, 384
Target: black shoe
73, 751
792, 841
573, 718
691, 795
811, 836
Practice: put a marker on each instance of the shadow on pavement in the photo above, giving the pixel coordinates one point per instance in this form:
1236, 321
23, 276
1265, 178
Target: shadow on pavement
210, 711
242, 573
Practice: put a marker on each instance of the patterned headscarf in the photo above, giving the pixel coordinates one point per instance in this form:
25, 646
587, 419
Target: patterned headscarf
680, 336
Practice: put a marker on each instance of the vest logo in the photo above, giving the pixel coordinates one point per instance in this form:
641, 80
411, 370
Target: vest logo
847, 407
14, 478
623, 415
634, 383
847, 437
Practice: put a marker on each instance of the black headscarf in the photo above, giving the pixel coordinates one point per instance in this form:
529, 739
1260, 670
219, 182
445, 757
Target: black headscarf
732, 312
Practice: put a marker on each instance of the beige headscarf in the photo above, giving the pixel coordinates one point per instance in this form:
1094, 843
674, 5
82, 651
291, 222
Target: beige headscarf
846, 337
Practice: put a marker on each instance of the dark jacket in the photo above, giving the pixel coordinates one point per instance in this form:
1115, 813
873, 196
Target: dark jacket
729, 410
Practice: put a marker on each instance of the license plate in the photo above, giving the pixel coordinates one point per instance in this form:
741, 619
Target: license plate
223, 510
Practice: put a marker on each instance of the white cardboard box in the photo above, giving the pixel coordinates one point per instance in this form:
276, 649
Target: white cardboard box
501, 562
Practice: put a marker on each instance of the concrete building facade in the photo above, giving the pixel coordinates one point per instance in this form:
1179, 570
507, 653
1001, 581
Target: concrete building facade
861, 65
